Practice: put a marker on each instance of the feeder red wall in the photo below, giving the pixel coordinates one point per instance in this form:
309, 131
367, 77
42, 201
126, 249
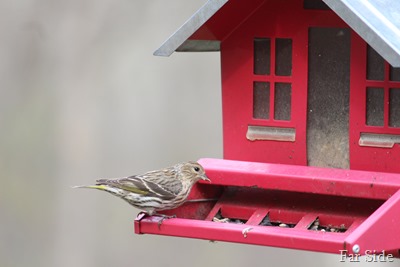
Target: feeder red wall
369, 158
275, 19
288, 19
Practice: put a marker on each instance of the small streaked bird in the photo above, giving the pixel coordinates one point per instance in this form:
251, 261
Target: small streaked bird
155, 190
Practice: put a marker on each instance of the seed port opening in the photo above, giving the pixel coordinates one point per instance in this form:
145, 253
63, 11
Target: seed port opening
325, 226
218, 217
282, 217
266, 221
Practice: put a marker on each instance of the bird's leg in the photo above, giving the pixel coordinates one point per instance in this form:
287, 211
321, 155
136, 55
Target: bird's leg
163, 217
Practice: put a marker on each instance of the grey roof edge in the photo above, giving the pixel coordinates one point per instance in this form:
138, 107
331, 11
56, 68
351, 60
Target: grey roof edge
189, 27
375, 24
199, 46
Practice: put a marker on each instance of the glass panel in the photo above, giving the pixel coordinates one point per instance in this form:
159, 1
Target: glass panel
394, 74
375, 65
283, 64
283, 99
394, 107
262, 56
261, 98
375, 108
328, 97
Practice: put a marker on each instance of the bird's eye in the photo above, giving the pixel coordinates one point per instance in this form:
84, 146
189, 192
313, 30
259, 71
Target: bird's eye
196, 169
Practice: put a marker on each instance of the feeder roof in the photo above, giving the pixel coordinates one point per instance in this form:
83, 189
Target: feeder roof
376, 21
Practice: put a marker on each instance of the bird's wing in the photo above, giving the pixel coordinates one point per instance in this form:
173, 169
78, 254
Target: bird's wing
167, 179
140, 185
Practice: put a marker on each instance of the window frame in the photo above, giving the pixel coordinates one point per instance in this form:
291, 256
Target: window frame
272, 79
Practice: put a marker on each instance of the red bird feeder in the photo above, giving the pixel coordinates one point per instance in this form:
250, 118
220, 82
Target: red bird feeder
311, 126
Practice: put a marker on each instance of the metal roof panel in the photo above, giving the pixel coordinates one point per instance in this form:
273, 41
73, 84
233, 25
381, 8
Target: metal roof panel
189, 27
376, 21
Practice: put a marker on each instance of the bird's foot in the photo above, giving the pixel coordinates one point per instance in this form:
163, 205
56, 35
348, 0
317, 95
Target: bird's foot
163, 218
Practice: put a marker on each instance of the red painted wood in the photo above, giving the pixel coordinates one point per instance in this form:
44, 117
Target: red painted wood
257, 178
237, 89
369, 158
362, 184
381, 230
361, 202
230, 16
257, 235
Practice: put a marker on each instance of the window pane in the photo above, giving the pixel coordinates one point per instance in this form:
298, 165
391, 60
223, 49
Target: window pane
394, 107
394, 74
262, 56
328, 97
375, 106
283, 99
375, 65
261, 96
283, 65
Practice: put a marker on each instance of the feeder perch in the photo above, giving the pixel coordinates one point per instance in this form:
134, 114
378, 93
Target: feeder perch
311, 126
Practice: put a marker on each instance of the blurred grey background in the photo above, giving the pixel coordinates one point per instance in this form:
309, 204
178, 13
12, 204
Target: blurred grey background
82, 97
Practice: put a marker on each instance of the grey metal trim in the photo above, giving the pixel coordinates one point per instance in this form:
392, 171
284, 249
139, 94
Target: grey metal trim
189, 27
199, 46
270, 133
376, 21
379, 140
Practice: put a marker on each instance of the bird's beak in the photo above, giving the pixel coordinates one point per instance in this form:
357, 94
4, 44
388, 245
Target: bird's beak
205, 178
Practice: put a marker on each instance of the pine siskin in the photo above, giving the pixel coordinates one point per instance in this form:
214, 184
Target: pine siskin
155, 190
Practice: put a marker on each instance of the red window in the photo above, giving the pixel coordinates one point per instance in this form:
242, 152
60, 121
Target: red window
272, 92
264, 85
375, 111
382, 91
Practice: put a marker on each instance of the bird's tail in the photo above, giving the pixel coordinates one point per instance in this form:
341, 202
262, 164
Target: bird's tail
100, 187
